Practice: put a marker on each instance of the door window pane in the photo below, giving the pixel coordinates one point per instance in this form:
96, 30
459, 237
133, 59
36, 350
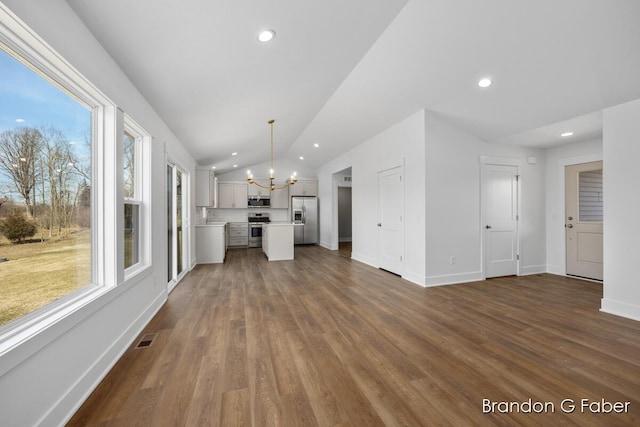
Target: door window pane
591, 201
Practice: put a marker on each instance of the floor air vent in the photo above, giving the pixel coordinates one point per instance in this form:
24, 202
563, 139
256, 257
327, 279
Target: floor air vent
146, 341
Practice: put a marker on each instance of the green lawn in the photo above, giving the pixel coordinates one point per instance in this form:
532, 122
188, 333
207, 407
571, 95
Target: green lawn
38, 273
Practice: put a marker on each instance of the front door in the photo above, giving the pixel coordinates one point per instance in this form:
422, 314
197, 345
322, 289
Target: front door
583, 221
500, 219
390, 225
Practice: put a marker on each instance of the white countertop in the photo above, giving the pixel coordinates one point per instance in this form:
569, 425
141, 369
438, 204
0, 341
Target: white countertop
278, 223
212, 224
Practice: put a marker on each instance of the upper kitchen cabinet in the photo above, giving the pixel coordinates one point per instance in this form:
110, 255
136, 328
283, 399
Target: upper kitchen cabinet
280, 199
205, 188
232, 195
256, 191
304, 187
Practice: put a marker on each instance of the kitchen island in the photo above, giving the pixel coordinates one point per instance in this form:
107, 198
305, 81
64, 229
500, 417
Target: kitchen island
211, 242
277, 240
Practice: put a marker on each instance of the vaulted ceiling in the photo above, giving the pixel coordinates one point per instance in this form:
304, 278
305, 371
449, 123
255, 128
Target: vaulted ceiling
339, 72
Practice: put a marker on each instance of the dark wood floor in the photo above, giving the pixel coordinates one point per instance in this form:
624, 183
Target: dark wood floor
327, 341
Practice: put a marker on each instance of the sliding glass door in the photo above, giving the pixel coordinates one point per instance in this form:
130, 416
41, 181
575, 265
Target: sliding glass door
177, 231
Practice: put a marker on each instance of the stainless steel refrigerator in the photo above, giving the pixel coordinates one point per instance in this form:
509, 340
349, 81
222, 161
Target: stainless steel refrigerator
304, 214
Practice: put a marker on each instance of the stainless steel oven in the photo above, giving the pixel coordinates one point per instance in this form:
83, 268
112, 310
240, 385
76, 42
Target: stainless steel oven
255, 228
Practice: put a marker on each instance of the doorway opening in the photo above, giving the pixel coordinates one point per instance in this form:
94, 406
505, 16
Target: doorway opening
344, 219
342, 212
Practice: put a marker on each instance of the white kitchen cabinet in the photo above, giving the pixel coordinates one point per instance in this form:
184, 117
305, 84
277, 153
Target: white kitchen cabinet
211, 243
280, 198
304, 187
232, 195
205, 188
256, 191
239, 234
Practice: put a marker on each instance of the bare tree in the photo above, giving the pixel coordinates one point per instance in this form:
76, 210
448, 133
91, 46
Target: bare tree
19, 149
59, 168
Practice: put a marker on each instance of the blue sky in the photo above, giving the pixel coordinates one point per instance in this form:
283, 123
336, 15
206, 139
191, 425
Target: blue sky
26, 99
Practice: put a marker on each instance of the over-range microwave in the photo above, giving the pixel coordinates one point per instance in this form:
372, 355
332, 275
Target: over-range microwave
258, 202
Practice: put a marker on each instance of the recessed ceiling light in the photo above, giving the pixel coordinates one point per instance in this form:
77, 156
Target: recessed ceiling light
301, 158
316, 145
235, 166
566, 134
234, 153
266, 35
486, 82
213, 167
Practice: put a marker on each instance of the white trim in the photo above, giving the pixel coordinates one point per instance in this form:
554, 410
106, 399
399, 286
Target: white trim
620, 308
415, 278
452, 279
532, 269
142, 192
27, 47
364, 259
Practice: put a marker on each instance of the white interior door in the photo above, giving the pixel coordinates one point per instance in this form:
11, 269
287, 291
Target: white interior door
390, 224
500, 219
584, 209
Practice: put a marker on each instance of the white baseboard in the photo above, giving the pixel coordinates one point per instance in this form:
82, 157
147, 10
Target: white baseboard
418, 279
619, 308
452, 279
556, 269
68, 404
328, 246
533, 269
364, 259
344, 239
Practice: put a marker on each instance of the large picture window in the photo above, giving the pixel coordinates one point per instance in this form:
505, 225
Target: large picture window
68, 231
45, 190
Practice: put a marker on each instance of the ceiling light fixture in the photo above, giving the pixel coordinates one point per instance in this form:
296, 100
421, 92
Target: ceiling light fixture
566, 134
235, 166
301, 158
316, 145
266, 35
235, 153
486, 82
272, 186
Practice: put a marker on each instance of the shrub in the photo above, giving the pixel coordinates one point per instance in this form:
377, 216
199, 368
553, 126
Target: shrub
17, 227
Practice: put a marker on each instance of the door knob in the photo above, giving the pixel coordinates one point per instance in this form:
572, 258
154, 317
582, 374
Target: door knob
569, 225
487, 226
379, 224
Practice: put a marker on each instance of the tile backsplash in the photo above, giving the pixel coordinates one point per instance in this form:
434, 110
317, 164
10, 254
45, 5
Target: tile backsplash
241, 215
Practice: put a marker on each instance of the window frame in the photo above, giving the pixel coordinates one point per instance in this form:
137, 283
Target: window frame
141, 193
107, 211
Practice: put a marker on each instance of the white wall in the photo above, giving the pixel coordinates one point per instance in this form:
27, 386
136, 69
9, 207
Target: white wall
453, 203
401, 144
44, 380
621, 149
556, 160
